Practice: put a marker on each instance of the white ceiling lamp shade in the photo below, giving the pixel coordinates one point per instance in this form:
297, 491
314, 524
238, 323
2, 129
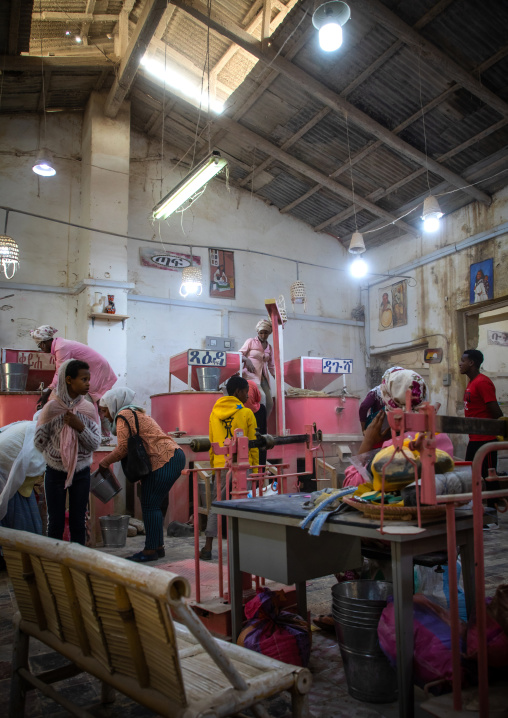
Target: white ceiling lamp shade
328, 18
431, 214
9, 256
298, 294
44, 164
357, 245
192, 281
188, 187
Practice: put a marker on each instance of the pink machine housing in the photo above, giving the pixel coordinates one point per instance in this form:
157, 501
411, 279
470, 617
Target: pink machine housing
186, 413
22, 405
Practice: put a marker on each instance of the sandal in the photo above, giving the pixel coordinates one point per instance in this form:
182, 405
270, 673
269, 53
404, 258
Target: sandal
325, 623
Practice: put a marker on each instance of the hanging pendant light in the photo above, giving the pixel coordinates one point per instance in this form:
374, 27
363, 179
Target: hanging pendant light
44, 164
9, 256
192, 281
431, 214
298, 294
328, 18
357, 245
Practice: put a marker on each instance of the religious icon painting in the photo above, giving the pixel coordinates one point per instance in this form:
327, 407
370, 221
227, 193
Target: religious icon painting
399, 303
385, 309
222, 274
481, 281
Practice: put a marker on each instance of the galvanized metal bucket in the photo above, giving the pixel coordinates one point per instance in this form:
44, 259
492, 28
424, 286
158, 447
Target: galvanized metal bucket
104, 487
356, 609
14, 376
208, 377
114, 530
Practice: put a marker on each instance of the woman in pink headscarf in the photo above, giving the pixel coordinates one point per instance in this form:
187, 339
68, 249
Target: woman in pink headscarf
258, 361
102, 376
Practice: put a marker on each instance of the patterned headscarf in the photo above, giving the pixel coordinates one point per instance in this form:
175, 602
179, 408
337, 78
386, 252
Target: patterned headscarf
43, 333
394, 384
264, 325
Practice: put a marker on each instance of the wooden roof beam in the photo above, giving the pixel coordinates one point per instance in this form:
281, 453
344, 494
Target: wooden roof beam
72, 17
378, 62
32, 63
321, 92
14, 18
145, 29
255, 140
429, 52
85, 27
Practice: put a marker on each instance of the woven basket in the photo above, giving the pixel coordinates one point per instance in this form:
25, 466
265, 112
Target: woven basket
281, 305
396, 513
297, 292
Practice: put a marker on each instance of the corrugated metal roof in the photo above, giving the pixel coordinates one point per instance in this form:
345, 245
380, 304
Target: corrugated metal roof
390, 91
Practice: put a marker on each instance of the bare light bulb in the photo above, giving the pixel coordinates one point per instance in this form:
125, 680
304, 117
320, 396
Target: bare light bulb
358, 268
330, 36
191, 288
431, 224
78, 39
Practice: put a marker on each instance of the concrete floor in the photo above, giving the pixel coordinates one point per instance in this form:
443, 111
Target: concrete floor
329, 695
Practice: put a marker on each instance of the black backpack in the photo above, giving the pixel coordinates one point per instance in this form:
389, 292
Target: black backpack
136, 465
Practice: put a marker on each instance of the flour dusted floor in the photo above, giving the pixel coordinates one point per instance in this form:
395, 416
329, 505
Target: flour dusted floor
328, 699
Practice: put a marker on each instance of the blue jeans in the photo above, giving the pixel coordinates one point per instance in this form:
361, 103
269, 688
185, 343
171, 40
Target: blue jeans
154, 489
54, 483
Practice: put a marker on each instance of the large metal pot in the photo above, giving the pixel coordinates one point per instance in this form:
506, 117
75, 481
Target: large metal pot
14, 376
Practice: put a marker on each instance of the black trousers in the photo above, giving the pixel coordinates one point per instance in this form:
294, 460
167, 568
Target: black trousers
489, 462
261, 424
56, 494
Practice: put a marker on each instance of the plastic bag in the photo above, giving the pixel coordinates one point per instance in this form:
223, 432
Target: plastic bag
436, 586
432, 659
273, 632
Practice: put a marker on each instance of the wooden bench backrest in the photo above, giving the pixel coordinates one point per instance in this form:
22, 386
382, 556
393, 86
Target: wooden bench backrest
114, 611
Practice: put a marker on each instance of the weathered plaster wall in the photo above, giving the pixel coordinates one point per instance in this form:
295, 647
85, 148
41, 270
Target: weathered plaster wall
440, 295
58, 256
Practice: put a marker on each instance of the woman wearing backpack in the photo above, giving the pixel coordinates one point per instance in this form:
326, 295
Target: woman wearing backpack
165, 457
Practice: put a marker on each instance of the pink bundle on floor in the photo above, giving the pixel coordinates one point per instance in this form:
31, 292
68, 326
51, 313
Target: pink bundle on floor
273, 632
432, 640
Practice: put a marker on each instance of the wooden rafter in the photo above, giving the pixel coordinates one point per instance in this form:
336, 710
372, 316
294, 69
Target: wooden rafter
325, 95
145, 28
431, 53
14, 18
85, 26
73, 17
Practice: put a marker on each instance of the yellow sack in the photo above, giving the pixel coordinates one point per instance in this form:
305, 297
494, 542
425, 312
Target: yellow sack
400, 471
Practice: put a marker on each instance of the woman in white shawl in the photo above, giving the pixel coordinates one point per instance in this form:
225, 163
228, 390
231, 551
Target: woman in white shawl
21, 468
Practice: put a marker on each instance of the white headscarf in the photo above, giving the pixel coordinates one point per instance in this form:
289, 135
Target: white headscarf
43, 333
117, 399
264, 325
19, 459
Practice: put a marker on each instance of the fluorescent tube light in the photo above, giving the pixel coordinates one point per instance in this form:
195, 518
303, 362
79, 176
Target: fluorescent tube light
185, 189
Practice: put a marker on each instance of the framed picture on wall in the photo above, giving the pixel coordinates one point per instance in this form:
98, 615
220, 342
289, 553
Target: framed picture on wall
481, 281
222, 274
393, 306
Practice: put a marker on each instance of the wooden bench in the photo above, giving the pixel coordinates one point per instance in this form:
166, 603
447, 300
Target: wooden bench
114, 619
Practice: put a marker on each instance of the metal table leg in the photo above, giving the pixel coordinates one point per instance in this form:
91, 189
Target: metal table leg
467, 561
301, 599
402, 570
235, 576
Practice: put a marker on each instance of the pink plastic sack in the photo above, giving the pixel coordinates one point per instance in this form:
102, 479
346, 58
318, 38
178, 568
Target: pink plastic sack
432, 660
497, 640
275, 633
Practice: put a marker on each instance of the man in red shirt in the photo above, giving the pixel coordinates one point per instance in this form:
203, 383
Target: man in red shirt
480, 401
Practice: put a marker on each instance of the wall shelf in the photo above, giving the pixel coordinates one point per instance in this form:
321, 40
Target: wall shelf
102, 316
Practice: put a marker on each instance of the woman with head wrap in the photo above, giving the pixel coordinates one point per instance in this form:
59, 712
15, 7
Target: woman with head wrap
167, 462
67, 434
21, 469
258, 361
102, 376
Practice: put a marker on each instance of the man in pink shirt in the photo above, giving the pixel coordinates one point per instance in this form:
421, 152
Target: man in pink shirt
102, 376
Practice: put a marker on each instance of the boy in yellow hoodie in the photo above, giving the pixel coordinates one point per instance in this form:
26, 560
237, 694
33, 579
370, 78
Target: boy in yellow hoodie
228, 414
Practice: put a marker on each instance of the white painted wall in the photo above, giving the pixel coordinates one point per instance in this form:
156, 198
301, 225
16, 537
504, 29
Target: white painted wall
58, 256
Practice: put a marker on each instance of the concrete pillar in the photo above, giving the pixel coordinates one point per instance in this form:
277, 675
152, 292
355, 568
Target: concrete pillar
101, 260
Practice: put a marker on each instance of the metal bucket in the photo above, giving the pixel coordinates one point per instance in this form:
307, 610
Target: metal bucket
114, 530
208, 377
104, 487
14, 376
357, 607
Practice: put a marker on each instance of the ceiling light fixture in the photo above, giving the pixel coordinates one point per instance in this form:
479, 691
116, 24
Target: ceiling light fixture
328, 18
43, 164
187, 188
191, 281
357, 245
359, 268
9, 253
431, 214
78, 39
